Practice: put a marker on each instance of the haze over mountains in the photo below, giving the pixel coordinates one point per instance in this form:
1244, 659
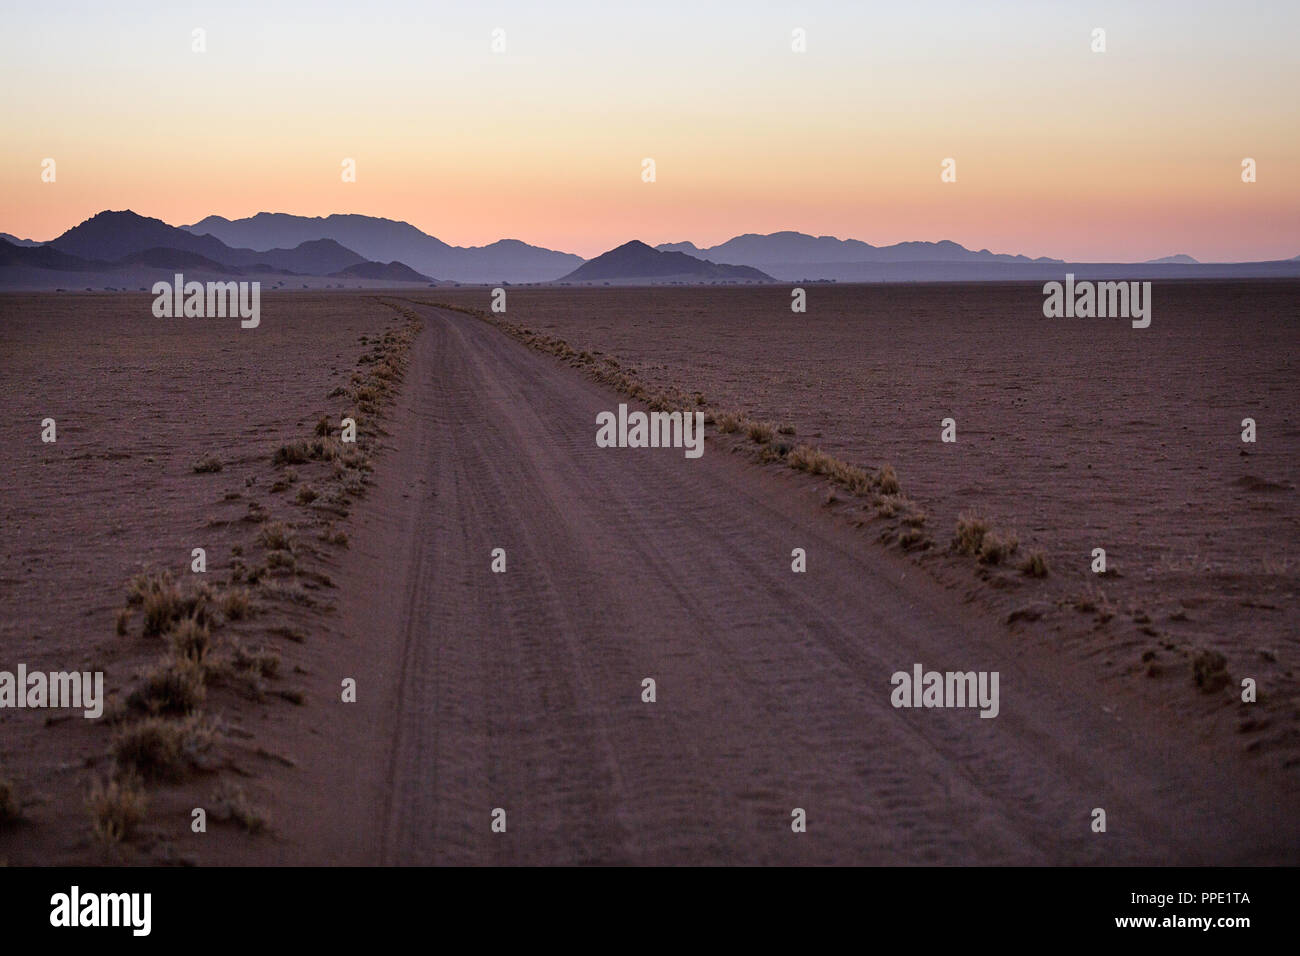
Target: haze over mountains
125, 249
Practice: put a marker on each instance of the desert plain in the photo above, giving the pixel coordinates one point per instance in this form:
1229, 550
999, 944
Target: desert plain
477, 690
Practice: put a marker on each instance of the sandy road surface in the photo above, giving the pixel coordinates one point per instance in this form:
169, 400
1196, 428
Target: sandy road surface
523, 690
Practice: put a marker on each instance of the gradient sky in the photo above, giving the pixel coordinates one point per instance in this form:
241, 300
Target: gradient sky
1129, 154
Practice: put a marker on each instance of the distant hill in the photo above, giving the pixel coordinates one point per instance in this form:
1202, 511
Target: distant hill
391, 271
41, 257
635, 261
1179, 259
387, 240
797, 255
14, 240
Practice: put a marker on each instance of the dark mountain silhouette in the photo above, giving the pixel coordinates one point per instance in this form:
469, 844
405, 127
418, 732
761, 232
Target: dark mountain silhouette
1180, 259
112, 236
109, 236
391, 271
635, 261
386, 240
14, 240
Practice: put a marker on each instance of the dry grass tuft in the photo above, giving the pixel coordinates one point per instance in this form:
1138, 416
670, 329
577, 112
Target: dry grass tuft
996, 549
236, 604
116, 809
191, 640
275, 536
760, 432
970, 534
173, 688
292, 453
887, 481
159, 749
1035, 565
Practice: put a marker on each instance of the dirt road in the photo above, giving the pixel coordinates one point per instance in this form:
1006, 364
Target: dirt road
523, 690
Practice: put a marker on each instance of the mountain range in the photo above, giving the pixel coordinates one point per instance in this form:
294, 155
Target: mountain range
385, 240
125, 249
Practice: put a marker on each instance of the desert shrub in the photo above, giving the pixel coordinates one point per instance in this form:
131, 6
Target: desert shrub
116, 808
728, 423
996, 549
292, 453
970, 534
275, 536
236, 604
811, 460
853, 478
191, 640
887, 481
760, 432
1035, 565
162, 604
306, 495
160, 749
275, 560
174, 687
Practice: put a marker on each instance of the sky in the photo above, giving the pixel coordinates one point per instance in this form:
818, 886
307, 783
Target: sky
1122, 155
